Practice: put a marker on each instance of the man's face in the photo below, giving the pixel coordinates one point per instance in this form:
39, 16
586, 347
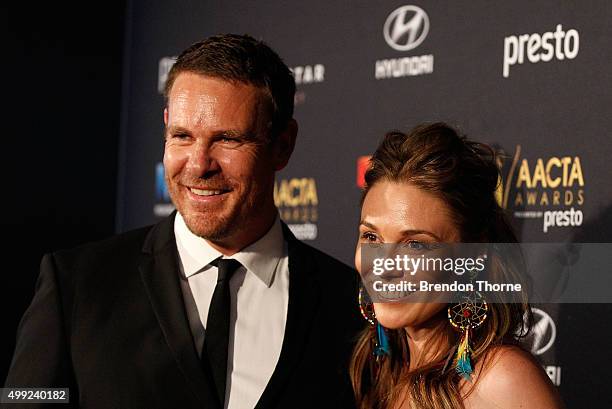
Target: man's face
218, 158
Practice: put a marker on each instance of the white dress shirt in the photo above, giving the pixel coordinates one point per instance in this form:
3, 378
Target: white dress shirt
260, 295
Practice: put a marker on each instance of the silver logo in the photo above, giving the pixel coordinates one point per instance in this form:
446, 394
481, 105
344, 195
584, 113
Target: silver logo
406, 28
543, 332
164, 66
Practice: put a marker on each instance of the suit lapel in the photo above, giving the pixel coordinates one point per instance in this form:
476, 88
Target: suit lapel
303, 302
160, 275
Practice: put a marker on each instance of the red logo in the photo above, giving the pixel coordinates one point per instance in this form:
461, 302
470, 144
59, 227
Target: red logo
363, 162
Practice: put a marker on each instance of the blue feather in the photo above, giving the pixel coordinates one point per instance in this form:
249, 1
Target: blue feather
382, 347
464, 367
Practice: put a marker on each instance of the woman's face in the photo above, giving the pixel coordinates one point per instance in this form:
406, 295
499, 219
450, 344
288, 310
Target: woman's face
399, 212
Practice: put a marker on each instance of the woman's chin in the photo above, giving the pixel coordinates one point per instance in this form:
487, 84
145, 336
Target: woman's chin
393, 315
403, 315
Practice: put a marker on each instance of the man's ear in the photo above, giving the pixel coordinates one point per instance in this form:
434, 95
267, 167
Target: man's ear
284, 144
166, 116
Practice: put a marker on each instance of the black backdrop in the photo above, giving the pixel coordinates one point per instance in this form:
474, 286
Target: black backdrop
549, 114
61, 82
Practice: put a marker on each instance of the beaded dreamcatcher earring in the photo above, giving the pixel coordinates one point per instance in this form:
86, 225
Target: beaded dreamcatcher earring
380, 340
466, 316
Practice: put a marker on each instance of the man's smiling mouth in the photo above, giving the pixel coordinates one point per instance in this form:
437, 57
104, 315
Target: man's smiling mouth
206, 192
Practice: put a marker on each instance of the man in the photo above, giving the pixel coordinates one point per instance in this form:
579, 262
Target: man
218, 306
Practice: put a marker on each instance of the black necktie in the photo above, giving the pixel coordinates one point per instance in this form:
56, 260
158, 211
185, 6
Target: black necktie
216, 338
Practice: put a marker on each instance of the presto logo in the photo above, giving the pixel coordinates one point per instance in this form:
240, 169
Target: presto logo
540, 47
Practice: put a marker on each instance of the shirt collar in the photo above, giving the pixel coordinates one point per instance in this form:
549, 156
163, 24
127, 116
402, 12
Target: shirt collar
260, 257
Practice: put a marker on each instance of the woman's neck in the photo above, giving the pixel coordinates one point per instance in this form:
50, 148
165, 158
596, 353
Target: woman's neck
429, 341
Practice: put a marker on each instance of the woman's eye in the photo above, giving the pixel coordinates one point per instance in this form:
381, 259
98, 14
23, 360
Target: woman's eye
416, 245
370, 237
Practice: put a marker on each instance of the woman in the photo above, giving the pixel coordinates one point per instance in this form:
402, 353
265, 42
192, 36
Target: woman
434, 186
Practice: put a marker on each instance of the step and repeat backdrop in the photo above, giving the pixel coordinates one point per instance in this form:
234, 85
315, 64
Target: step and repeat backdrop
533, 79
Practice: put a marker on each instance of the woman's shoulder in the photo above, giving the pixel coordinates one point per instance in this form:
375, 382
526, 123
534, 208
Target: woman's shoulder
509, 377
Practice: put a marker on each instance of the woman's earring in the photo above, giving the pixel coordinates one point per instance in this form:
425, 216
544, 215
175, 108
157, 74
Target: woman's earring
380, 340
466, 316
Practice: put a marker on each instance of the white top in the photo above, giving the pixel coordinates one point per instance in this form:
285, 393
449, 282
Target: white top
260, 296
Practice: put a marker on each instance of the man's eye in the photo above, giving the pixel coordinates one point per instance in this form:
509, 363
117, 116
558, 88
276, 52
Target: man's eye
180, 136
228, 140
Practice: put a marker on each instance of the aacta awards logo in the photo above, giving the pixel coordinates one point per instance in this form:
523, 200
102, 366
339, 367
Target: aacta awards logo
297, 202
404, 30
550, 189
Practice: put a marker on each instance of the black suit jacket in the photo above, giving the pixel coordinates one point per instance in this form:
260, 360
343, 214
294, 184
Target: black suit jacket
108, 321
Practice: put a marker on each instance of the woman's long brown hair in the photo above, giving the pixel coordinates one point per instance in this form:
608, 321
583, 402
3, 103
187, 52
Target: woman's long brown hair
464, 174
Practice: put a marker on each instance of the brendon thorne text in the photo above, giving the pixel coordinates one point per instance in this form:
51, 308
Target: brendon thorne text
455, 286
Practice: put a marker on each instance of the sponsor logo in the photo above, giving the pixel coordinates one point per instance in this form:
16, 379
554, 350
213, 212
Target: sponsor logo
404, 30
404, 67
560, 218
362, 166
161, 190
163, 206
535, 48
297, 202
548, 188
541, 338
164, 66
543, 333
305, 75
554, 373
308, 74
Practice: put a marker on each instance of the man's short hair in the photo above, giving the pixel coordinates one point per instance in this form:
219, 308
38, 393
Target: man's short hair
241, 58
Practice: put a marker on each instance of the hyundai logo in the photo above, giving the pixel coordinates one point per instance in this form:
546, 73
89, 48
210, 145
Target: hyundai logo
406, 28
543, 332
